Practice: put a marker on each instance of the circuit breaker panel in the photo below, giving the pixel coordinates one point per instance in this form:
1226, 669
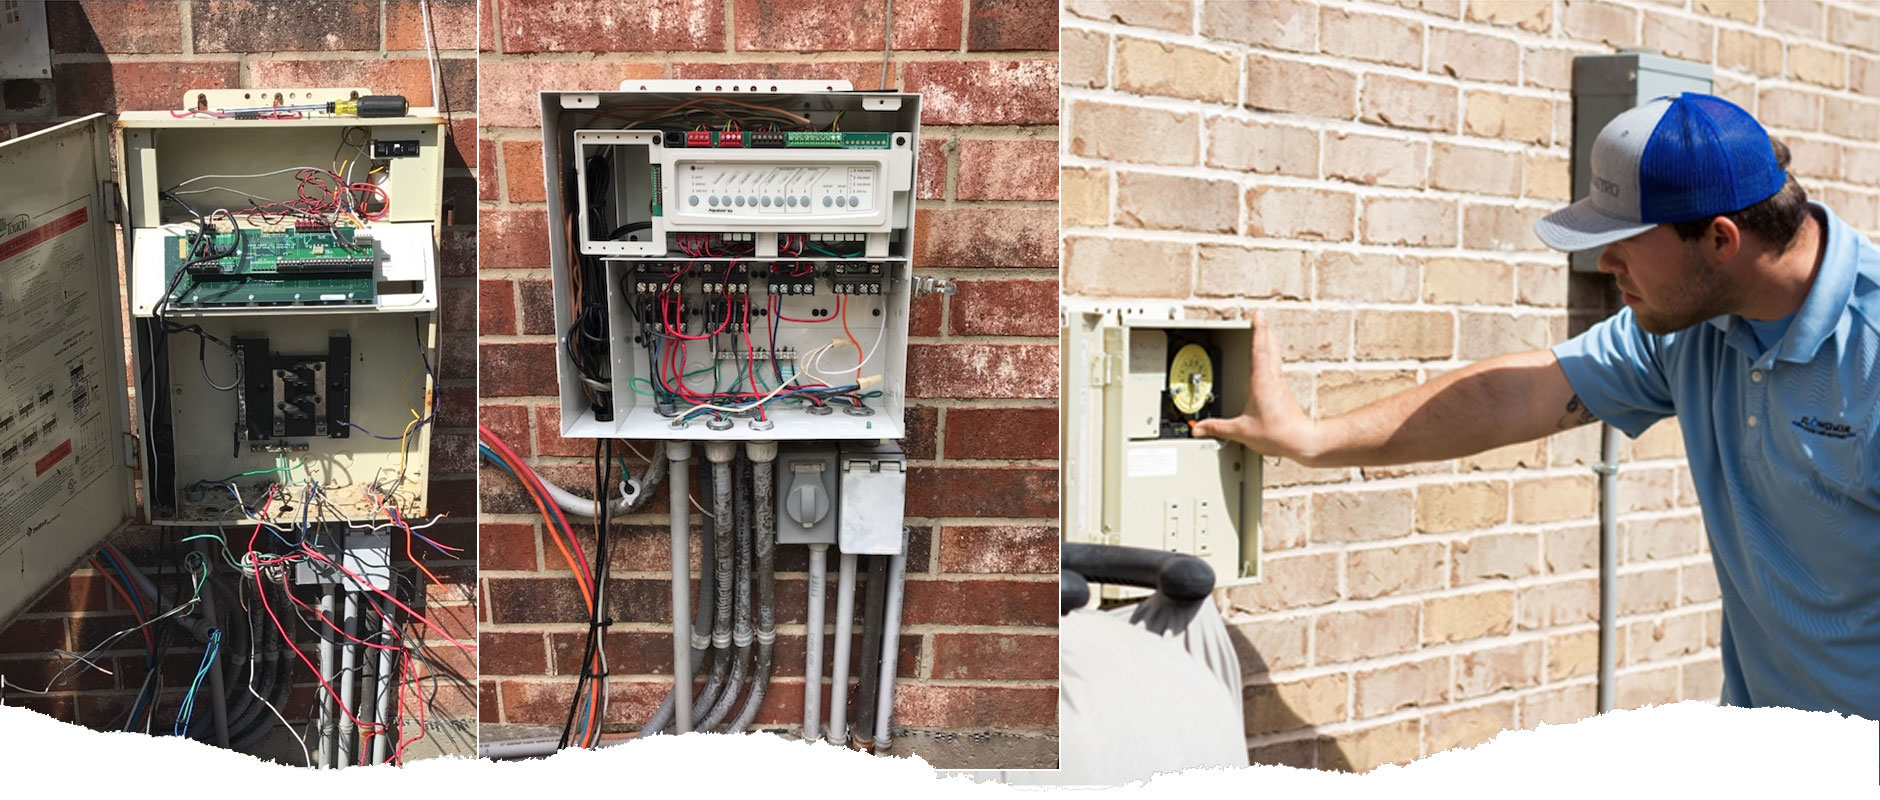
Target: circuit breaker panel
1134, 473
731, 261
280, 285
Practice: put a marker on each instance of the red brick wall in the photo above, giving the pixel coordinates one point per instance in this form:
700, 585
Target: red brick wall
979, 646
113, 56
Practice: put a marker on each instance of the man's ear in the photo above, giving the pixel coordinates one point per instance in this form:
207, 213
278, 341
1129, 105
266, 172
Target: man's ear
1723, 240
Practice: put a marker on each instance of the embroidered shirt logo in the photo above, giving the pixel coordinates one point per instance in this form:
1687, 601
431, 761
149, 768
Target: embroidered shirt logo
1822, 427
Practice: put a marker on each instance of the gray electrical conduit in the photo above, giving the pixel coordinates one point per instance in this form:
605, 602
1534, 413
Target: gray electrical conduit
279, 682
329, 604
812, 657
1608, 470
838, 733
741, 602
633, 494
701, 619
762, 456
719, 455
680, 454
348, 677
382, 743
890, 645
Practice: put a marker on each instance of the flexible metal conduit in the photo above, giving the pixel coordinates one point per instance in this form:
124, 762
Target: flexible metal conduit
763, 456
741, 603
679, 454
719, 454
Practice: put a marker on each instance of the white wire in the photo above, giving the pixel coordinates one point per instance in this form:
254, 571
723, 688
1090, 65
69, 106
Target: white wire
880, 336
281, 171
762, 400
430, 52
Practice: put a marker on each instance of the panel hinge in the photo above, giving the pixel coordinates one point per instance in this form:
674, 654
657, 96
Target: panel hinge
112, 203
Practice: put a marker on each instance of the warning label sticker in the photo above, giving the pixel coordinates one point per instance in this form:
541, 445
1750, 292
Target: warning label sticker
55, 437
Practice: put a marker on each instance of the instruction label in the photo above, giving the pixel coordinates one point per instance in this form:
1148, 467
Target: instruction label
55, 438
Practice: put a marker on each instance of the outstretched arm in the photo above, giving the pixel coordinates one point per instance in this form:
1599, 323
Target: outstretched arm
1506, 399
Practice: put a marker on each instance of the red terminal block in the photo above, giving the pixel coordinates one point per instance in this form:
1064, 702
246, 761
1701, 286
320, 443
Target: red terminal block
698, 138
731, 139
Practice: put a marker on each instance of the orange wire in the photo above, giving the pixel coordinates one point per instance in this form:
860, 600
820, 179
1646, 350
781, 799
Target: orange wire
842, 306
587, 595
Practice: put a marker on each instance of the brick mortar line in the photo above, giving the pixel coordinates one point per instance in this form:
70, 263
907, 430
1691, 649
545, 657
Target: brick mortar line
1254, 180
1359, 68
1553, 39
1157, 236
1317, 124
370, 56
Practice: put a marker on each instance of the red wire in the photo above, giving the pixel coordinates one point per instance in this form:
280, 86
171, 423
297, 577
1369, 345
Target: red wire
357, 580
750, 354
842, 305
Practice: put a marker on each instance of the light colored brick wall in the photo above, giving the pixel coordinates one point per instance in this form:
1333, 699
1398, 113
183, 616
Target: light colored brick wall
1367, 174
979, 639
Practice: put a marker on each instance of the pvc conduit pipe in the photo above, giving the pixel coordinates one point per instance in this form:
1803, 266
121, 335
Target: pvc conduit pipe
218, 696
890, 645
873, 590
1608, 469
762, 456
329, 603
678, 455
702, 617
839, 677
741, 601
812, 663
633, 494
388, 683
348, 679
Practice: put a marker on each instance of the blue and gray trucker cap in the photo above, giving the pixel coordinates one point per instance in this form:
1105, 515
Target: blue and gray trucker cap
1673, 159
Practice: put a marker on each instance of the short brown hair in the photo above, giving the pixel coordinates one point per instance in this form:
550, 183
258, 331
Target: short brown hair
1775, 220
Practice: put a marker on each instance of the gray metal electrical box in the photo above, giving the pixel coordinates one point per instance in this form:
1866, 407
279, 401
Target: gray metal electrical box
873, 498
806, 495
1605, 86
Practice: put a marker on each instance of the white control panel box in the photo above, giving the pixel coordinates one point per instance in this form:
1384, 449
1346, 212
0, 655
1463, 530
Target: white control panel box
1132, 382
279, 280
731, 264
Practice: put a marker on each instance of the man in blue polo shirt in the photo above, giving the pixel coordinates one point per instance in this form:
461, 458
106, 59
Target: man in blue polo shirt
1754, 317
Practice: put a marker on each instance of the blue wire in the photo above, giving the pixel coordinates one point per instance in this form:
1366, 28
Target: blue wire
189, 700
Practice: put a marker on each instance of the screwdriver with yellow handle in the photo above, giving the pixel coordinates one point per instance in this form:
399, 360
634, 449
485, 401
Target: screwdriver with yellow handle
372, 106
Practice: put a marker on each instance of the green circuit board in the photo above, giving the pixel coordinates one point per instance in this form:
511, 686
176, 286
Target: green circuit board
274, 268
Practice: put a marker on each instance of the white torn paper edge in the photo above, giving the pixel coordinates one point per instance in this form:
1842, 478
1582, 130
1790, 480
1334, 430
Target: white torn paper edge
1685, 750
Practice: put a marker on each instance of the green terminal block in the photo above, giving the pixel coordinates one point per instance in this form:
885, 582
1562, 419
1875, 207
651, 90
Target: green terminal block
656, 191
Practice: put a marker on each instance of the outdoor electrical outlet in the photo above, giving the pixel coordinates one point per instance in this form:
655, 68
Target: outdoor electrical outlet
806, 495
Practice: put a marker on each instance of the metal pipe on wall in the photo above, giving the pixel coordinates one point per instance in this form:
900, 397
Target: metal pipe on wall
329, 605
679, 455
348, 679
1608, 469
719, 455
812, 660
382, 743
702, 616
890, 645
845, 628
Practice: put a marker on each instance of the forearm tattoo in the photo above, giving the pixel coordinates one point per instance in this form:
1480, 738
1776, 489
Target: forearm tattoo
1577, 414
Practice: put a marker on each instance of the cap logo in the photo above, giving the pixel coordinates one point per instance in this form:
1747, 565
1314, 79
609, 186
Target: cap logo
1605, 187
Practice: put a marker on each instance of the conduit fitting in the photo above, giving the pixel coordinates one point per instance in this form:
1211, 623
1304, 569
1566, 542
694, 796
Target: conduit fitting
701, 641
742, 637
761, 452
766, 637
678, 451
720, 452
